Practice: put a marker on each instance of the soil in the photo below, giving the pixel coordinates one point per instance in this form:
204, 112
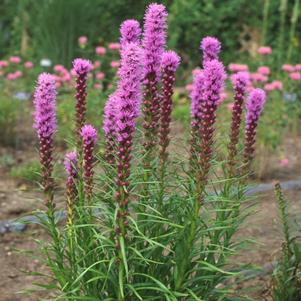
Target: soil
19, 198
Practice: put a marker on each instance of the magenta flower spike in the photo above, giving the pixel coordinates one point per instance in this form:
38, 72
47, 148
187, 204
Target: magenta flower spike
81, 67
89, 138
71, 167
128, 104
211, 48
255, 105
214, 78
130, 32
154, 40
109, 127
169, 65
45, 125
240, 82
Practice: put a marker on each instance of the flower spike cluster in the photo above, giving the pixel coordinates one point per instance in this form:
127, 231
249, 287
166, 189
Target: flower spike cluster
211, 48
81, 67
45, 125
130, 32
240, 81
214, 77
109, 127
169, 65
89, 138
71, 167
128, 108
255, 105
154, 40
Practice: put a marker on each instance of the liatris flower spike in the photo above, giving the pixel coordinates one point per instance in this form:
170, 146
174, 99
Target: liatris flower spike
45, 125
89, 138
169, 65
240, 81
129, 98
154, 40
211, 48
70, 163
214, 77
82, 68
255, 105
130, 32
109, 127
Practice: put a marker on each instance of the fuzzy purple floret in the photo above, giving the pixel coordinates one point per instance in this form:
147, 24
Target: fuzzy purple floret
109, 124
130, 32
255, 105
240, 80
89, 134
170, 61
214, 80
82, 66
211, 48
70, 163
197, 93
128, 90
154, 38
45, 106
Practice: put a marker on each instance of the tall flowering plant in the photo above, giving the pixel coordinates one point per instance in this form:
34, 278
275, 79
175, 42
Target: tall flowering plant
167, 241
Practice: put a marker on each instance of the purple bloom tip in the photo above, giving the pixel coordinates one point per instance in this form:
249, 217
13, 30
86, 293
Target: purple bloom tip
170, 60
130, 32
70, 163
82, 66
44, 102
211, 48
255, 105
240, 79
89, 133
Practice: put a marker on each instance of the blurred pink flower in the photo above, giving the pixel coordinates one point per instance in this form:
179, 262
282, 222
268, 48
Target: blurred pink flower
284, 162
114, 46
258, 77
278, 85
11, 76
58, 84
18, 73
189, 87
4, 64
82, 41
115, 64
97, 86
73, 72
97, 64
66, 77
196, 71
59, 68
223, 96
264, 70
28, 65
230, 106
15, 59
269, 87
298, 67
295, 76
100, 50
100, 75
238, 67
288, 68
264, 50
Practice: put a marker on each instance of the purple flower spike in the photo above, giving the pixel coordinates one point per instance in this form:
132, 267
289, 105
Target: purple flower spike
130, 32
128, 103
89, 138
211, 48
255, 105
82, 68
169, 65
109, 127
214, 77
154, 40
45, 125
240, 81
70, 163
